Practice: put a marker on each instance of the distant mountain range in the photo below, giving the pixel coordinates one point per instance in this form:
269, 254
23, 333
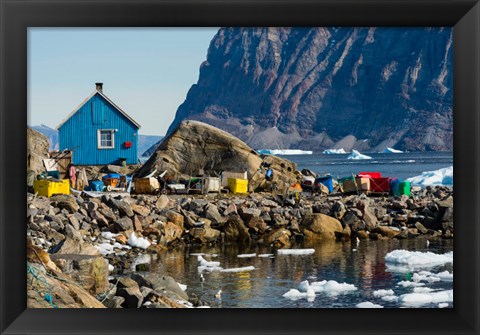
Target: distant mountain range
145, 142
321, 88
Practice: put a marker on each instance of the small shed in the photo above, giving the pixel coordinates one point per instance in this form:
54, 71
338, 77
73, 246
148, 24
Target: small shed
99, 132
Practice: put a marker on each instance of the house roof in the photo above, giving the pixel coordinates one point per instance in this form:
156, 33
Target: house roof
106, 98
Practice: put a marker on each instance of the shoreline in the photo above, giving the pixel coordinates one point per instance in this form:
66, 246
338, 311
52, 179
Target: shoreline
96, 233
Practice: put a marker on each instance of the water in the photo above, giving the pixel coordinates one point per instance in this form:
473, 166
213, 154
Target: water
404, 165
263, 287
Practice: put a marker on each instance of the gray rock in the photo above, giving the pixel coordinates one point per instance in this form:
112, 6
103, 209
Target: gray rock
123, 224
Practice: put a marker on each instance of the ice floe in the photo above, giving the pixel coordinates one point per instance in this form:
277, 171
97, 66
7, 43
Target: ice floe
330, 287
295, 294
246, 255
357, 155
368, 304
418, 299
242, 269
406, 283
284, 152
443, 305
390, 298
437, 177
416, 259
295, 251
334, 151
138, 242
381, 293
204, 262
265, 255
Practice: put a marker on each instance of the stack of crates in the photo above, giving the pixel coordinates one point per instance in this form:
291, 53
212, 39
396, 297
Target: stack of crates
348, 184
237, 185
47, 188
400, 187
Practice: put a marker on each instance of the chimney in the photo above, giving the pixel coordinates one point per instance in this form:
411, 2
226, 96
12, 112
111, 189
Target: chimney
99, 87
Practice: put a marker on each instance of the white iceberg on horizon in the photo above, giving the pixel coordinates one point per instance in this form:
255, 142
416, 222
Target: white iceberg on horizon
334, 151
438, 177
357, 155
391, 151
284, 152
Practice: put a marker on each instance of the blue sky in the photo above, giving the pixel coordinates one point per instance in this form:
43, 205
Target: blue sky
146, 71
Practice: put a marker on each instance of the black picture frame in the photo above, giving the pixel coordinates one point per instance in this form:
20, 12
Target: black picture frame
18, 15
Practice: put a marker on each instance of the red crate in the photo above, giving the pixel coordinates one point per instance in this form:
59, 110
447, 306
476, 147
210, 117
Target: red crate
370, 174
380, 185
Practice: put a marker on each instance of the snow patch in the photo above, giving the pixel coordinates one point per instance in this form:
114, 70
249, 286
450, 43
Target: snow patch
138, 242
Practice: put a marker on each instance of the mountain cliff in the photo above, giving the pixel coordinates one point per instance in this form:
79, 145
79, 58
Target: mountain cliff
318, 88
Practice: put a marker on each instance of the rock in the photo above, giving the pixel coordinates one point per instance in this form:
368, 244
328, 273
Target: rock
380, 212
421, 228
369, 218
338, 210
278, 237
37, 150
320, 226
99, 218
171, 232
211, 213
132, 295
235, 230
204, 235
248, 213
350, 219
122, 239
362, 234
114, 302
123, 224
73, 247
137, 223
399, 205
231, 209
257, 225
74, 221
345, 235
107, 212
72, 233
162, 284
123, 207
140, 210
385, 231
64, 201
176, 218
162, 202
90, 272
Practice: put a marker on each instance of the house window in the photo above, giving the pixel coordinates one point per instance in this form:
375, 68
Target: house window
105, 139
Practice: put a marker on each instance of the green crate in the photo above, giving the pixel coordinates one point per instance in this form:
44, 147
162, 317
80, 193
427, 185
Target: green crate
404, 188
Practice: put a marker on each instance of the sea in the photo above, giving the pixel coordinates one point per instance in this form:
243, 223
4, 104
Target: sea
399, 165
355, 273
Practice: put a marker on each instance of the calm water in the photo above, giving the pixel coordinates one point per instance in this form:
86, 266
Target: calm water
402, 166
263, 287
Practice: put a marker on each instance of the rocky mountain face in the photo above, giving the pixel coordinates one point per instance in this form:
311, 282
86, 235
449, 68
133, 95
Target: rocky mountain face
318, 88
37, 150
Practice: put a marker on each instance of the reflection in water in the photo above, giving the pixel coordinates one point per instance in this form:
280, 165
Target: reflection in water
362, 265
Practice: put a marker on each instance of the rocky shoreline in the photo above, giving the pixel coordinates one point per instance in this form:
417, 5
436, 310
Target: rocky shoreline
84, 248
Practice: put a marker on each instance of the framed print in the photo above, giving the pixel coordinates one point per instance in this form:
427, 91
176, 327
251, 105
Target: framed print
298, 174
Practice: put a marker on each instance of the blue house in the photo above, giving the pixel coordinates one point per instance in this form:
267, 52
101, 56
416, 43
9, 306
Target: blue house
98, 132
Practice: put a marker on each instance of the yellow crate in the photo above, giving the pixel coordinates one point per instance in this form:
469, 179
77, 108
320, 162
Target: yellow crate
238, 185
47, 188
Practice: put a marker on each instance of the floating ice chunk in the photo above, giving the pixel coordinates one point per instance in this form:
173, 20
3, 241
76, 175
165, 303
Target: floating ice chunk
108, 235
265, 255
138, 242
445, 276
407, 283
391, 151
202, 268
204, 262
422, 290
294, 294
416, 259
182, 287
246, 255
381, 293
428, 277
417, 299
330, 287
197, 254
242, 269
284, 152
438, 177
390, 298
333, 151
357, 155
368, 304
295, 251
147, 303
443, 305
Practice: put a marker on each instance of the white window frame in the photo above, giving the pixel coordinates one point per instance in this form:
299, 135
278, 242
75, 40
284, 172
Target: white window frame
99, 139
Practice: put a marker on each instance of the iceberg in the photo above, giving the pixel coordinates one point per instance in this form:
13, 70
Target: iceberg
296, 251
357, 155
438, 177
330, 287
418, 299
284, 152
417, 259
382, 293
391, 151
334, 151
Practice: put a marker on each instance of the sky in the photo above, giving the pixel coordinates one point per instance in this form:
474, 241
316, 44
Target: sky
146, 71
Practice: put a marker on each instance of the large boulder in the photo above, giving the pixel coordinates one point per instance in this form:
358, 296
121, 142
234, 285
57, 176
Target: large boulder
320, 226
235, 230
37, 150
195, 146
